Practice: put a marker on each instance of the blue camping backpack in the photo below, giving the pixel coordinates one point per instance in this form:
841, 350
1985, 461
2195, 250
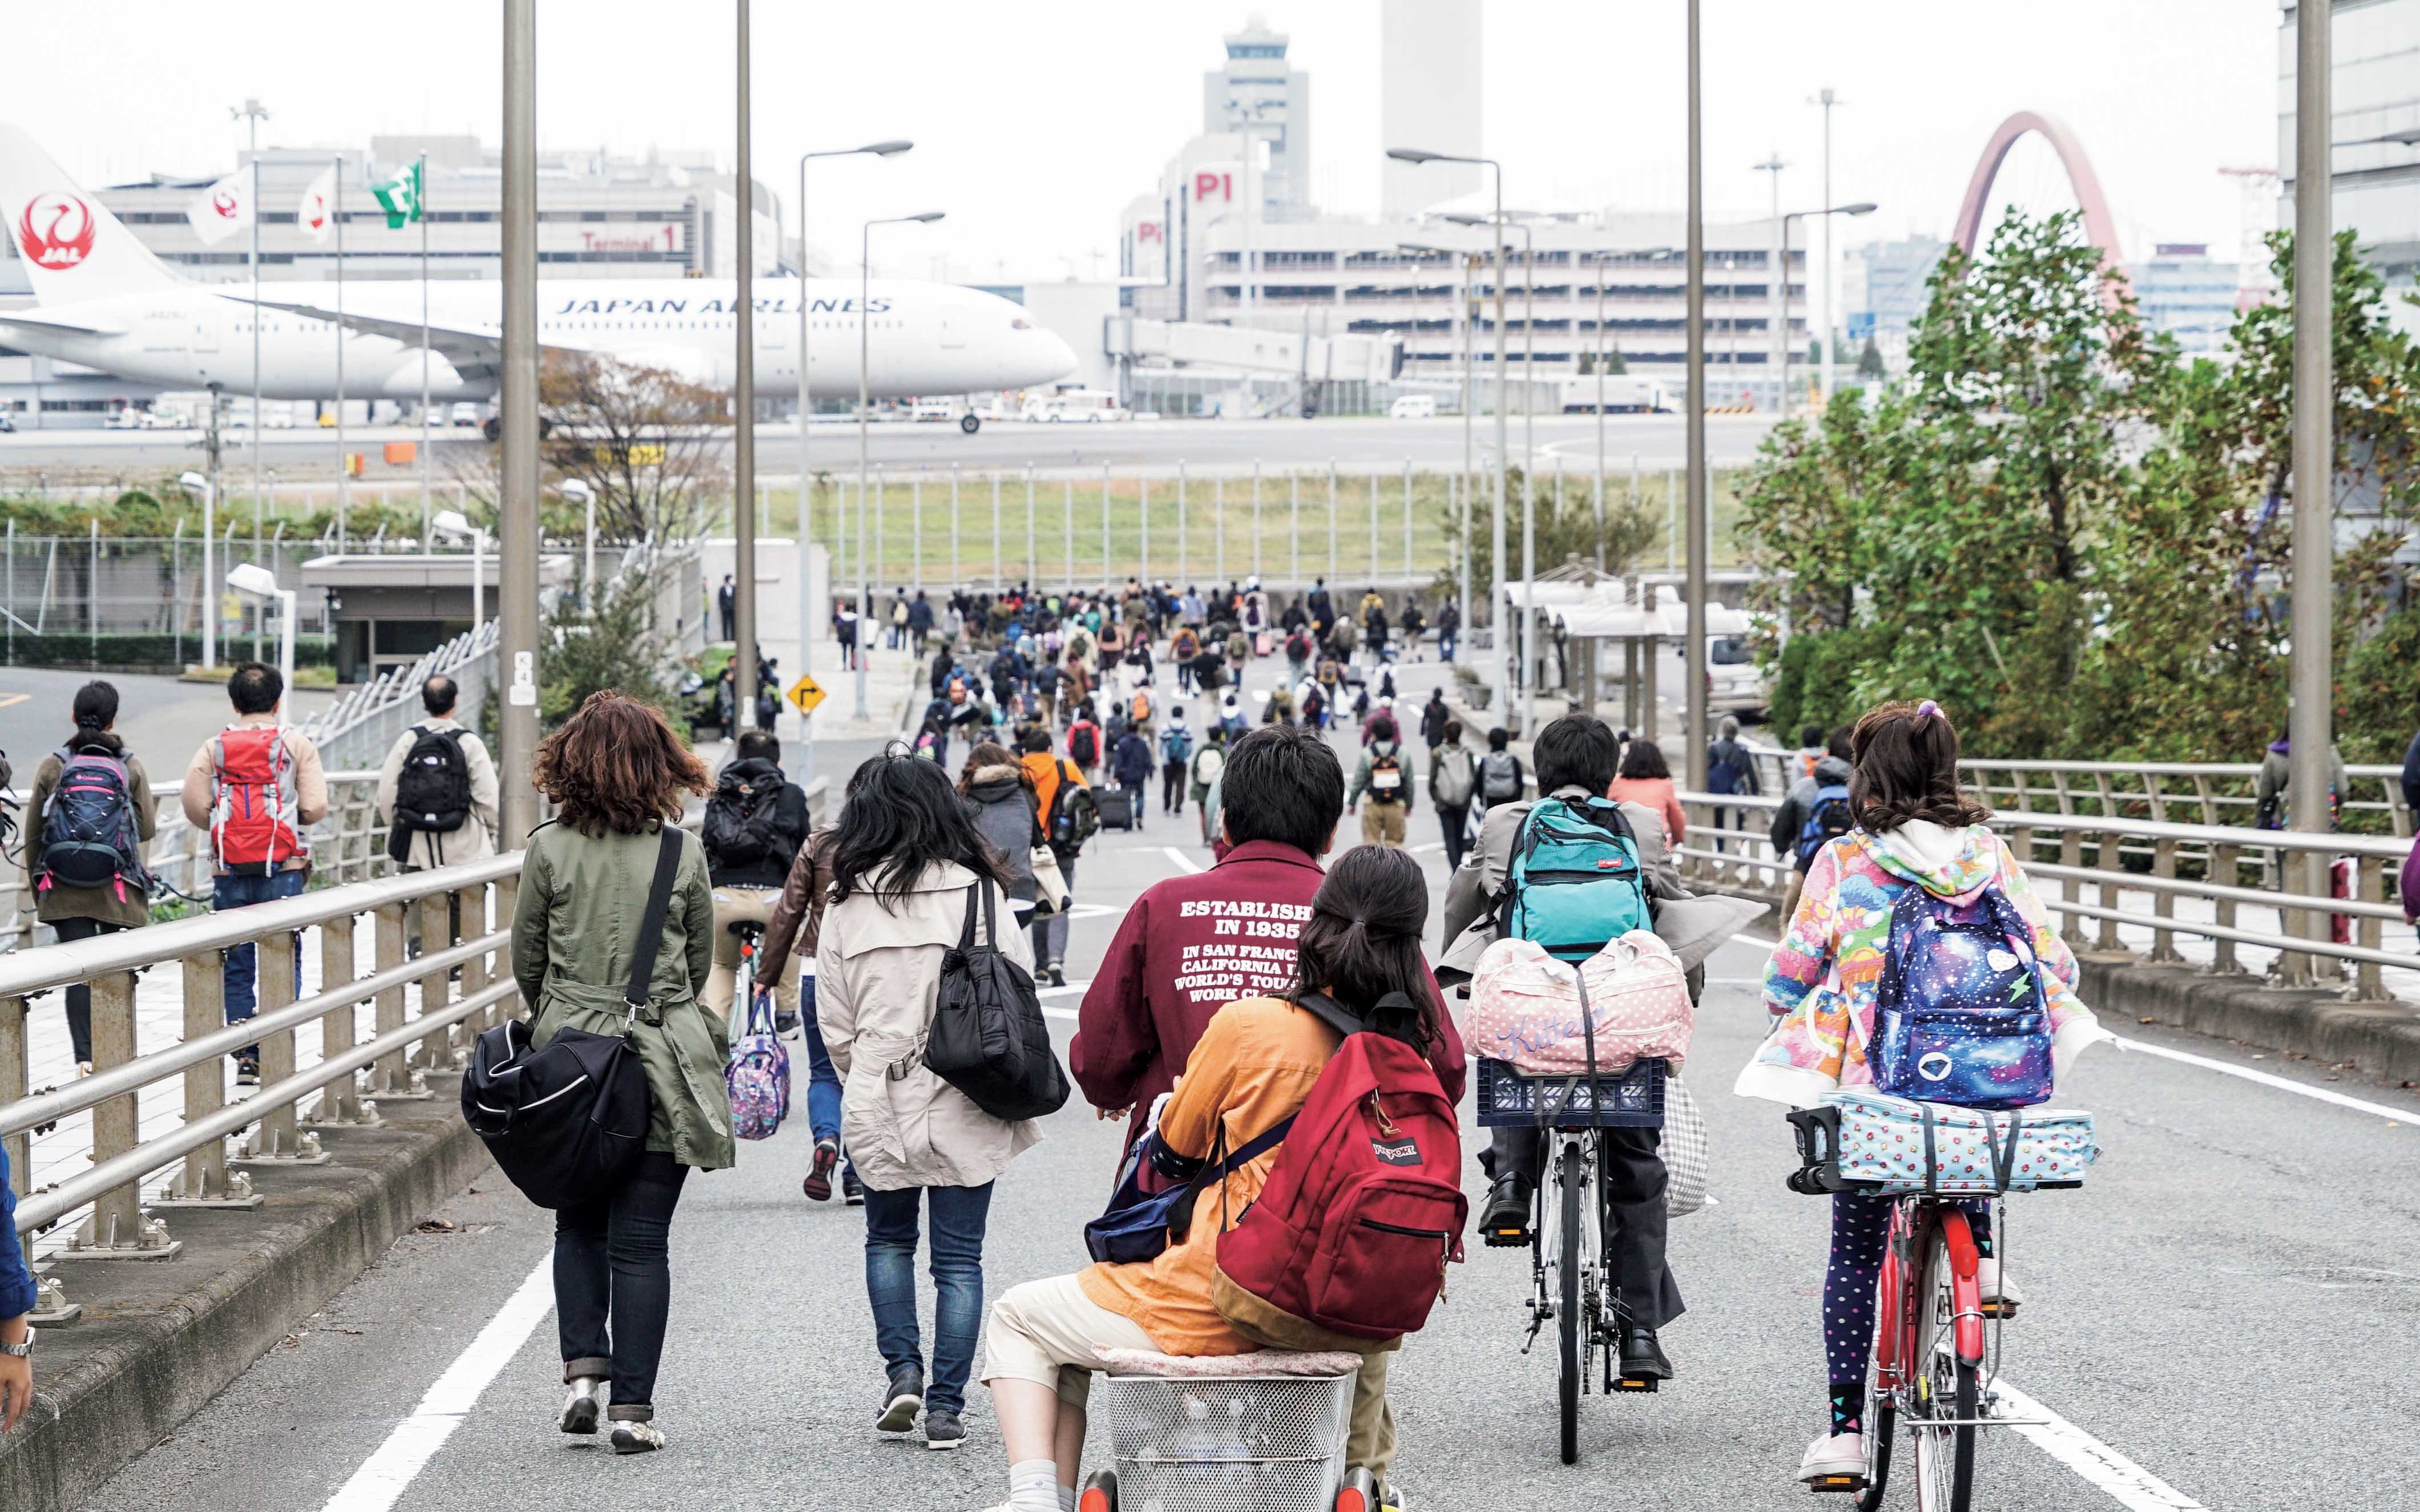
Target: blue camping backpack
1960, 1015
1828, 818
1575, 881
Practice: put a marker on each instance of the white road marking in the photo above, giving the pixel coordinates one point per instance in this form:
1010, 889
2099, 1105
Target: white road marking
2128, 1482
2284, 1084
1181, 860
389, 1471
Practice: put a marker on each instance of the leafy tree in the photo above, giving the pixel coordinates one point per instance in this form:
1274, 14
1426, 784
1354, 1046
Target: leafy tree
1572, 531
1870, 362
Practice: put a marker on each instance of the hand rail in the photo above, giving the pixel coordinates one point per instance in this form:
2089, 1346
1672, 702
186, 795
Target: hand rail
2306, 951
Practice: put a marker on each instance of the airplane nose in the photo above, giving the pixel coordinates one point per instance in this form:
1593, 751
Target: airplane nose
1053, 351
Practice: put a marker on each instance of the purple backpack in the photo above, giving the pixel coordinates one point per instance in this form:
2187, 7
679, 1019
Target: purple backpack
1960, 1015
758, 1077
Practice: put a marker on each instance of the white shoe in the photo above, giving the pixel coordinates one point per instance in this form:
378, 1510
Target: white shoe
636, 1438
1840, 1457
583, 1401
2001, 1296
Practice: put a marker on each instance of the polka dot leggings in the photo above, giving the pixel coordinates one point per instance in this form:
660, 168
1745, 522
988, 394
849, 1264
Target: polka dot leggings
1860, 1226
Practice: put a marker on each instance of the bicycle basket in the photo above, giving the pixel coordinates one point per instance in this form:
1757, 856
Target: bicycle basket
1633, 1099
1275, 1444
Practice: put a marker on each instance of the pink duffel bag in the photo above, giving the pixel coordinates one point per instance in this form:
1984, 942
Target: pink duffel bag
1525, 1007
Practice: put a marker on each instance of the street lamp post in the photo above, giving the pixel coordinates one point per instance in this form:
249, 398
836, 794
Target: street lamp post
1693, 733
2310, 718
1462, 493
1781, 343
1496, 525
864, 353
252, 577
194, 483
517, 495
455, 526
809, 612
1529, 449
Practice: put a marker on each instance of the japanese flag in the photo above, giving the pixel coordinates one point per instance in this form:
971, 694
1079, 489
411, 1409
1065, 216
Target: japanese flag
222, 210
317, 214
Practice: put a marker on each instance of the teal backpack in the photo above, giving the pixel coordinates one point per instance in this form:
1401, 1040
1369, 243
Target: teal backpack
1575, 881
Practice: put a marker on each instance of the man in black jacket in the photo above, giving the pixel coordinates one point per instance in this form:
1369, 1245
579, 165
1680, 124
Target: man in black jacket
754, 823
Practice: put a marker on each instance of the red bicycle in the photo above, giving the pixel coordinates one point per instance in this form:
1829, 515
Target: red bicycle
1936, 1341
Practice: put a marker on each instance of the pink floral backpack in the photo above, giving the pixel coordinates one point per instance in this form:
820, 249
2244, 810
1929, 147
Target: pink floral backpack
758, 1077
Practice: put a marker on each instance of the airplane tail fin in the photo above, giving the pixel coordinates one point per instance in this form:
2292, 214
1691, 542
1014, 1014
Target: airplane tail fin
73, 249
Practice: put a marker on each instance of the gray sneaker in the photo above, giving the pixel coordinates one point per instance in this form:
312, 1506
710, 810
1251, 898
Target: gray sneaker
902, 1399
942, 1430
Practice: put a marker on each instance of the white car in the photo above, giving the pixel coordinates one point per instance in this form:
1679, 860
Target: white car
129, 418
1735, 686
467, 414
1413, 407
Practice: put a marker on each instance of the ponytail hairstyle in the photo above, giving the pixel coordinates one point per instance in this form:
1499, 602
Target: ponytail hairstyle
1362, 940
1905, 758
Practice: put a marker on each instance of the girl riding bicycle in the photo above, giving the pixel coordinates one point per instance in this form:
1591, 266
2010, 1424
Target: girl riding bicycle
1914, 828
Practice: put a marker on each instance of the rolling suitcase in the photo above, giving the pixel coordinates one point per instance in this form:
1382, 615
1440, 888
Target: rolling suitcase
1117, 808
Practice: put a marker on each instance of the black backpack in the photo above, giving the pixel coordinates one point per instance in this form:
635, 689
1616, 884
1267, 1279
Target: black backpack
988, 1038
567, 1123
89, 839
432, 793
741, 822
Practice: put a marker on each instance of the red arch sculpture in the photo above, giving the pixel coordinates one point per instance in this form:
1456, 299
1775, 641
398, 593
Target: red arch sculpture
2100, 227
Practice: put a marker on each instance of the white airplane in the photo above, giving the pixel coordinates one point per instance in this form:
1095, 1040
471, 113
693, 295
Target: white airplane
102, 300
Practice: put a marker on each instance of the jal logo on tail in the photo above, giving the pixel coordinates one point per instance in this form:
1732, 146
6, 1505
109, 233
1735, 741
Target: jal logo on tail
57, 230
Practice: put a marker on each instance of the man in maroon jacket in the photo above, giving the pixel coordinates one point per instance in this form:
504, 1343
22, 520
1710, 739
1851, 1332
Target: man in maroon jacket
1193, 943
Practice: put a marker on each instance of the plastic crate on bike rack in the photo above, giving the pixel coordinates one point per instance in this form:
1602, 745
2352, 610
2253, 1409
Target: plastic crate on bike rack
1631, 1098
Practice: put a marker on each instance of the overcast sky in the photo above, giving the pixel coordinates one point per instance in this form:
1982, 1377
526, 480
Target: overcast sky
1035, 124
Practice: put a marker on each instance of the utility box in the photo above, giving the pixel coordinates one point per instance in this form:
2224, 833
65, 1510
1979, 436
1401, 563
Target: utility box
400, 453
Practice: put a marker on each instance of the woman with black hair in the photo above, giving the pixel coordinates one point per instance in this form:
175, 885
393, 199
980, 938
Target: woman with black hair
1253, 1067
907, 861
79, 912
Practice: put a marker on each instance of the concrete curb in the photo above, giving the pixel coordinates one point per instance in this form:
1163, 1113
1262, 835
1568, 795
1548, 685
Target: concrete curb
159, 1339
2380, 1040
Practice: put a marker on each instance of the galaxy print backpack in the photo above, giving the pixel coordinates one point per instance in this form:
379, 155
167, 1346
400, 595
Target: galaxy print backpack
1960, 1016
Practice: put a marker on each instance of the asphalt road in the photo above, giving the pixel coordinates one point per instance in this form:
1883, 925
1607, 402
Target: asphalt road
2228, 1306
309, 456
162, 718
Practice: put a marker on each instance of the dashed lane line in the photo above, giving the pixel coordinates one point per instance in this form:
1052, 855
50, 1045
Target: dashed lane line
2128, 1482
1181, 860
391, 1470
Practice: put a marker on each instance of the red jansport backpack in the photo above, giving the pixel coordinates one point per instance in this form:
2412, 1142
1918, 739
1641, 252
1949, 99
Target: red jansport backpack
255, 827
1364, 1206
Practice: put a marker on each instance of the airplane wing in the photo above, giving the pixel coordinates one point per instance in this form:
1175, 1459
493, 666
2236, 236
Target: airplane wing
52, 322
475, 354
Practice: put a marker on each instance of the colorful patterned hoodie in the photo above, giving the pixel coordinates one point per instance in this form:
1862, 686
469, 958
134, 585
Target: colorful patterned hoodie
1821, 984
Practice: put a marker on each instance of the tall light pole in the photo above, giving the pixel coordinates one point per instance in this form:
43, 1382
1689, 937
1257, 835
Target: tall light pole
517, 514
1470, 261
2310, 725
1693, 731
1828, 99
251, 114
1528, 444
1782, 343
743, 401
864, 411
809, 613
1496, 525
203, 488
1776, 288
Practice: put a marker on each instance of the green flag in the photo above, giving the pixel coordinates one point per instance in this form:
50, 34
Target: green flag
399, 196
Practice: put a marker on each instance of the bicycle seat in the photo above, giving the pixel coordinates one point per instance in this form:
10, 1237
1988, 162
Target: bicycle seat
746, 928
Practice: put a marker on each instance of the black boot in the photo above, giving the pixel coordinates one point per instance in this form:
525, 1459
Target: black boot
1506, 1220
1642, 1358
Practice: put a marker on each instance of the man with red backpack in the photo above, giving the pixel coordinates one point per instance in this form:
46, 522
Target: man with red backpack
254, 786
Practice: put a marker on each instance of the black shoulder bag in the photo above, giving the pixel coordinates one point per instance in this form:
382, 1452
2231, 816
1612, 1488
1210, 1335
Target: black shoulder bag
567, 1123
988, 1038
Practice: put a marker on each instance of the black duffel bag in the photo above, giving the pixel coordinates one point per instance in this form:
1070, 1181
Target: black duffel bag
567, 1123
988, 1038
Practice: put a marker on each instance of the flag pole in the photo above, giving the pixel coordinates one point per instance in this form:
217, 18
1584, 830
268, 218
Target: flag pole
420, 213
344, 462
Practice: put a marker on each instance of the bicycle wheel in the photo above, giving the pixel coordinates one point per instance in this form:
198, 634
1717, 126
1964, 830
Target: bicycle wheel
1571, 1334
1946, 1388
1881, 1422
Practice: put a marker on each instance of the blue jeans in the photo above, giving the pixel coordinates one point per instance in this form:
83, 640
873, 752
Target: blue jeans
823, 1082
958, 1215
1445, 645
234, 891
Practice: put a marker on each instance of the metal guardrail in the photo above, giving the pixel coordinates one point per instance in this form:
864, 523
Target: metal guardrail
2213, 793
461, 989
2167, 860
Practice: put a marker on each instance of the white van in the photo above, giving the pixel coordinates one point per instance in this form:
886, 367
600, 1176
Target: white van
1413, 407
1074, 405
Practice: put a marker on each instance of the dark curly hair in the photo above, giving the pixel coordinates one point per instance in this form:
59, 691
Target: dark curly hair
616, 765
1906, 759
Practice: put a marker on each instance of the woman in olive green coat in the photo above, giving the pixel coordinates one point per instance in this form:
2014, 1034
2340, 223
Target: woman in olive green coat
617, 774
